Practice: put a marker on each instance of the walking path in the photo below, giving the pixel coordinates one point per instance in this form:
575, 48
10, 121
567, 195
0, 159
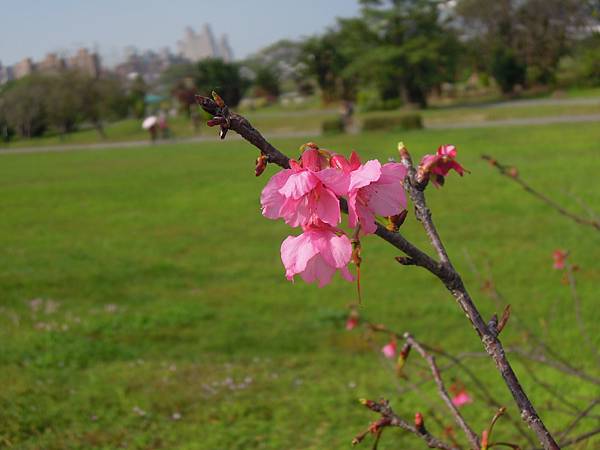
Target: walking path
307, 133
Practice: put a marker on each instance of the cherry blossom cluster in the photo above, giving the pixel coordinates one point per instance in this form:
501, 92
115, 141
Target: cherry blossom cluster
307, 195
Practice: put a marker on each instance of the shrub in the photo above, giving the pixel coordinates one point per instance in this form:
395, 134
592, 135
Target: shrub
333, 126
402, 122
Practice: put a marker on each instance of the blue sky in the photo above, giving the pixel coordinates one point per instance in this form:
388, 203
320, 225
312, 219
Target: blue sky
33, 28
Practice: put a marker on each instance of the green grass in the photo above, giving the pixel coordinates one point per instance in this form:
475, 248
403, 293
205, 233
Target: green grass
165, 321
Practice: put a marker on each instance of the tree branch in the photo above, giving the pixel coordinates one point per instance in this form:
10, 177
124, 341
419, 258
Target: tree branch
513, 174
443, 270
471, 436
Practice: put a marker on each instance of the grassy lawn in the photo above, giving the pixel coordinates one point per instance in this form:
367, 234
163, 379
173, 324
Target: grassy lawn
143, 303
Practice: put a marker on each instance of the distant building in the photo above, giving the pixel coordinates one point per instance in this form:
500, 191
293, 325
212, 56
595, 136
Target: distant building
23, 68
51, 64
196, 46
225, 49
149, 64
85, 62
6, 74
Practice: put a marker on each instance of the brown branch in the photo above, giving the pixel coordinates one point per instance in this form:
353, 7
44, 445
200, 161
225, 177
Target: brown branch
435, 371
443, 270
489, 338
580, 438
391, 419
560, 366
570, 270
581, 416
513, 174
457, 360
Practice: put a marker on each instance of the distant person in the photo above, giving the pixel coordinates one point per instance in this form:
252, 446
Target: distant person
151, 124
153, 133
347, 113
163, 125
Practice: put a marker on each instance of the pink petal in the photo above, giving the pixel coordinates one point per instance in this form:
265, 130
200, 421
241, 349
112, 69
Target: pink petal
392, 173
270, 198
311, 159
335, 179
352, 213
367, 219
354, 160
299, 184
365, 175
296, 252
340, 162
447, 150
335, 250
318, 270
328, 206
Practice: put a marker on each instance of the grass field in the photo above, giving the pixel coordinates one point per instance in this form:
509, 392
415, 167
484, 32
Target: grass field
143, 303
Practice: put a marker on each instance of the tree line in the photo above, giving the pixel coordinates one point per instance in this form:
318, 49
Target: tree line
394, 52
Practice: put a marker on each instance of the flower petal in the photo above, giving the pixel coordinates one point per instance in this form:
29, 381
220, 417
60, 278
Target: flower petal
270, 198
328, 206
296, 252
299, 184
365, 174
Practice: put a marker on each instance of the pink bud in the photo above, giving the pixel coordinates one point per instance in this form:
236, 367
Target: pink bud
461, 398
389, 349
352, 321
560, 257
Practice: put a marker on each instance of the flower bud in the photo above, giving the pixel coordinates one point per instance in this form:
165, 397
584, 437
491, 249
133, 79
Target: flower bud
261, 164
218, 100
420, 423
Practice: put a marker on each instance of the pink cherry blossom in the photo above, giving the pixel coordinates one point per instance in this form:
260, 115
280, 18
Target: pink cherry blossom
352, 321
461, 398
370, 188
440, 164
299, 196
317, 254
560, 257
389, 349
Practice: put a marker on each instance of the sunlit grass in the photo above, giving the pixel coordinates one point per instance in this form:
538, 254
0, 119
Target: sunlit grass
163, 319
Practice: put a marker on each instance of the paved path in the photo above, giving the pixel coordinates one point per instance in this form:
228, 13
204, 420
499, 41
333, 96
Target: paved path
308, 133
145, 143
519, 122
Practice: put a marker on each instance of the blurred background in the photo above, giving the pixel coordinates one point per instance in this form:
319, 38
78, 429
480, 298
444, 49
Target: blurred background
142, 298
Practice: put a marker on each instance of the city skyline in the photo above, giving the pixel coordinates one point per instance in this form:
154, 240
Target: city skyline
65, 26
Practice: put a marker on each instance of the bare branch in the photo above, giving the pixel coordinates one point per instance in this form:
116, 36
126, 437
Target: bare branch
435, 371
390, 418
513, 174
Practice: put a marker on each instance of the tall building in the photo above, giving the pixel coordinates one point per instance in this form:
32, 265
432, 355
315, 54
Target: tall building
51, 64
6, 74
196, 46
225, 49
85, 62
23, 68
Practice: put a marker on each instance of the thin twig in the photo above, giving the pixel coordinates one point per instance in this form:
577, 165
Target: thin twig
443, 393
513, 174
581, 416
577, 304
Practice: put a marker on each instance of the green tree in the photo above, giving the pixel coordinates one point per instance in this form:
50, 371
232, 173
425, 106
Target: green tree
400, 48
222, 77
266, 82
24, 107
